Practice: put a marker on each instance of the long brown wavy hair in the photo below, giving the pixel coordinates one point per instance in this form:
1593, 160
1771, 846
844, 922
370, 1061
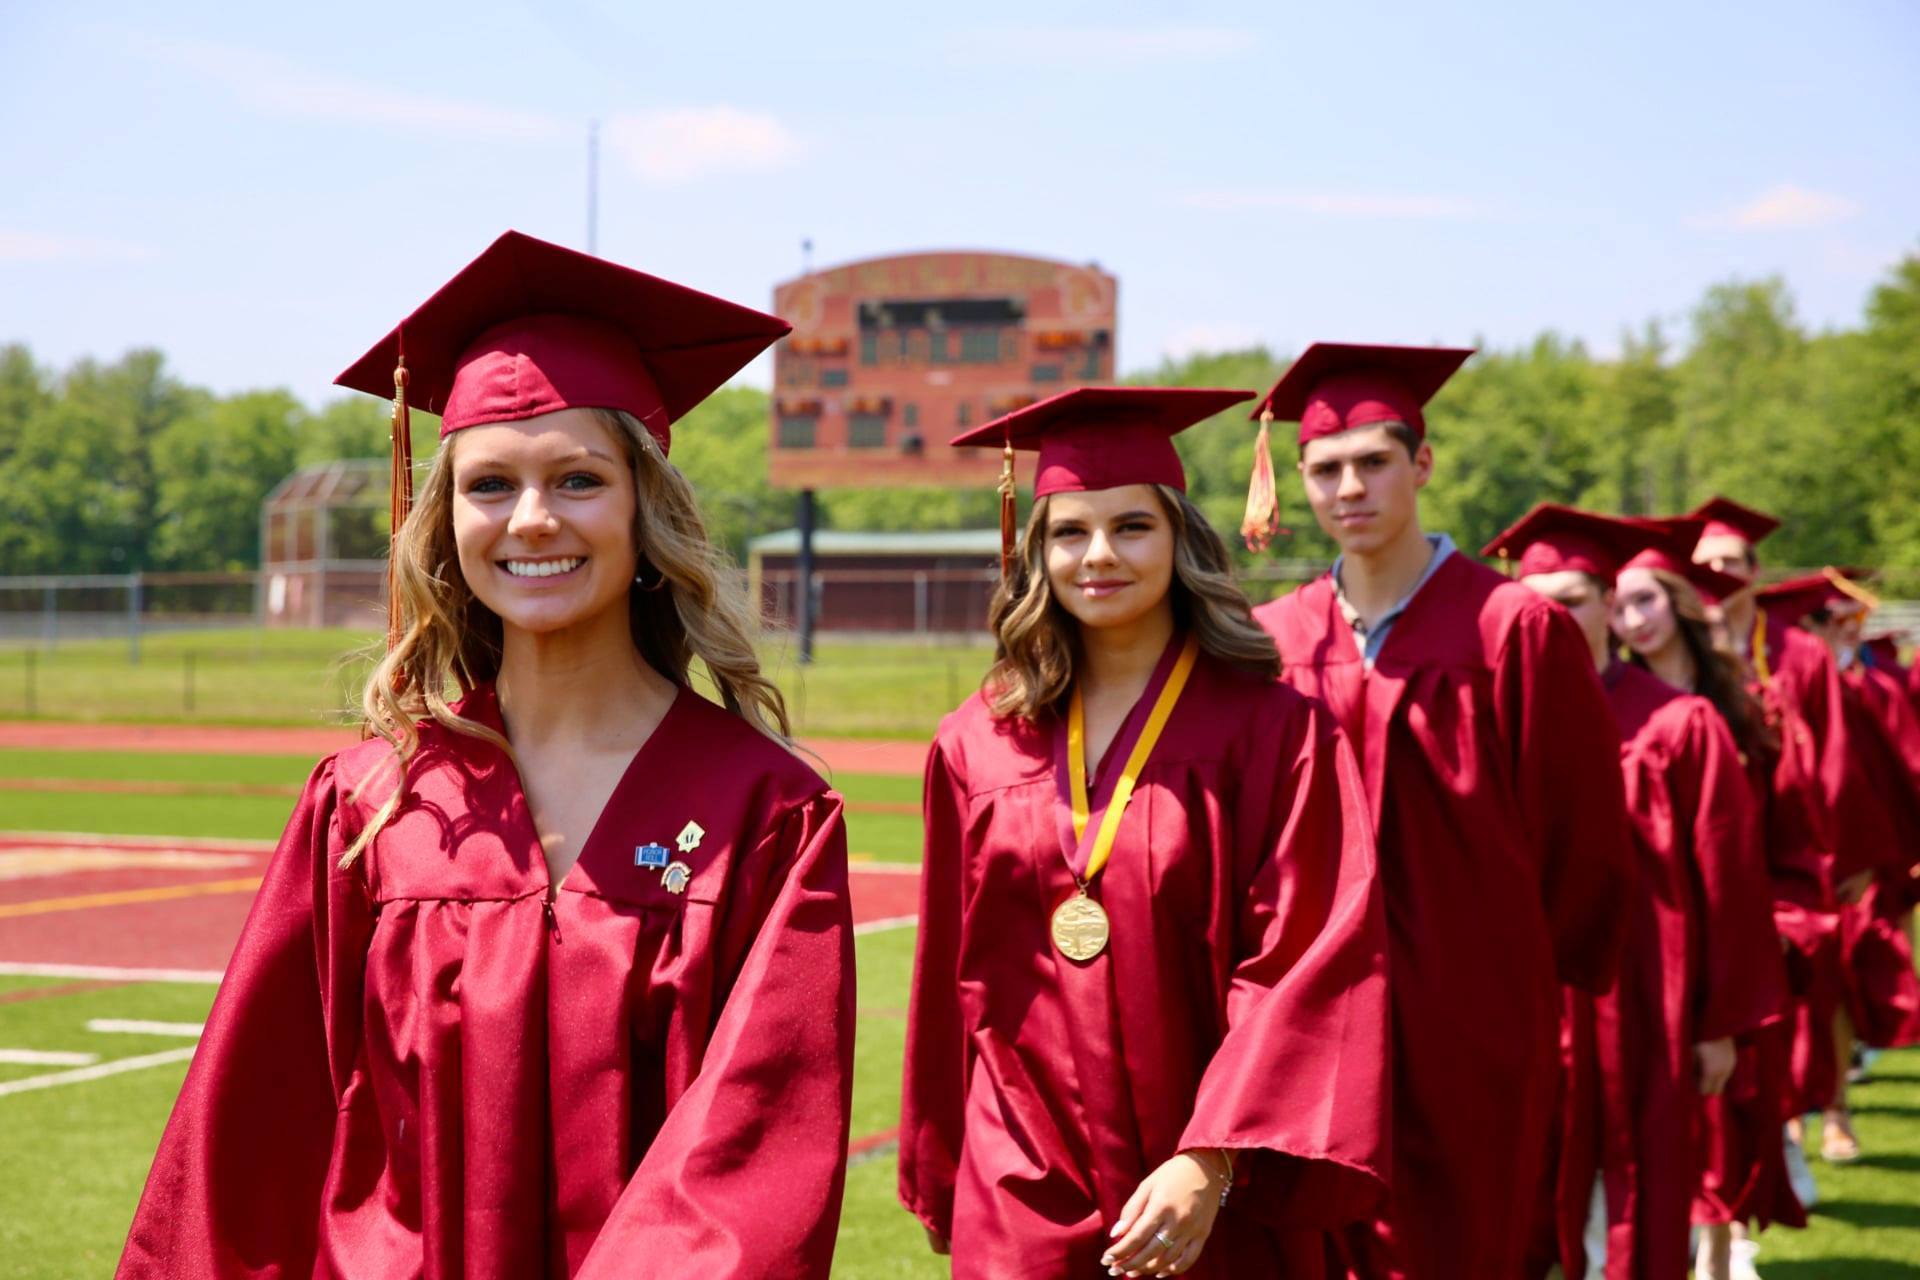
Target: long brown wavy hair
1037, 642
692, 607
1717, 675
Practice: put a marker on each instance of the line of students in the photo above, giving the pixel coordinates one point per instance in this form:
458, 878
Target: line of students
1341, 936
1587, 869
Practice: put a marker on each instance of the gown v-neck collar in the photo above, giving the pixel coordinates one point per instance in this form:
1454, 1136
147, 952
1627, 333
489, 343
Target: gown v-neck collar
483, 705
1105, 777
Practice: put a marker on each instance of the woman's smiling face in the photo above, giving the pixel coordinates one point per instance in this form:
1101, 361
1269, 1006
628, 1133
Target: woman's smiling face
1109, 553
543, 519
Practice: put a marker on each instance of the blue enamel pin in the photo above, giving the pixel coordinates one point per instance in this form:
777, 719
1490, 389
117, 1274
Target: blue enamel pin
651, 855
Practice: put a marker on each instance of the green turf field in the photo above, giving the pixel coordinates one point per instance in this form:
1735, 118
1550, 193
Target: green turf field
253, 676
72, 1158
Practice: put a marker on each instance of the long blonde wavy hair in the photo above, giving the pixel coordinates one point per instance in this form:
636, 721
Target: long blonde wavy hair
451, 643
1037, 642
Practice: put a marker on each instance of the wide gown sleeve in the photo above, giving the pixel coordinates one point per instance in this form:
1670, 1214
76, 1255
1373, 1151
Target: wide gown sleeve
1565, 764
1742, 979
934, 1084
1299, 1082
237, 1184
746, 1175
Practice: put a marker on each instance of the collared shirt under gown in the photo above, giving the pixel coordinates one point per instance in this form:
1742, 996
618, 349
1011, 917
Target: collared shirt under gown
418, 1067
1492, 766
1240, 1003
1702, 963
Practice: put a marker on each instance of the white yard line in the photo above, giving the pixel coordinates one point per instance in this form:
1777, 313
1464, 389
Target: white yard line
884, 924
884, 868
46, 1058
107, 973
134, 1026
101, 1071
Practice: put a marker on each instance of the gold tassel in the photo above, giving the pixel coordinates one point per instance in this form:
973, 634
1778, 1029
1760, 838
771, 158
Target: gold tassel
1262, 520
402, 493
1007, 512
1848, 587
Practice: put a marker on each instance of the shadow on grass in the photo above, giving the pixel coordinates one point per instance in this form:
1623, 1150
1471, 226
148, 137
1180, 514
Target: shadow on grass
1886, 1109
1851, 1268
1873, 1213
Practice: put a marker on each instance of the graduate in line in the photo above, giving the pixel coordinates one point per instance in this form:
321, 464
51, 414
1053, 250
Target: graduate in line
1883, 992
1492, 768
1663, 611
551, 976
1702, 966
1148, 1028
1823, 812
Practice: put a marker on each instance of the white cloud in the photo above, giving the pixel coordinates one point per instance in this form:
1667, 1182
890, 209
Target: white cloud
269, 82
1344, 204
27, 246
681, 144
1782, 208
1106, 45
666, 147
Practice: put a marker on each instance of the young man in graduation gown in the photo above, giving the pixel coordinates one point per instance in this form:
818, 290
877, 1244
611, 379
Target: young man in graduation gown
1822, 817
1701, 969
1492, 769
1151, 951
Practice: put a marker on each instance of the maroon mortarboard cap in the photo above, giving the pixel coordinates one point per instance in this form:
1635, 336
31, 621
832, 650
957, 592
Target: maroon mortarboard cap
1104, 437
1727, 518
1798, 597
529, 328
1554, 539
1672, 552
1336, 386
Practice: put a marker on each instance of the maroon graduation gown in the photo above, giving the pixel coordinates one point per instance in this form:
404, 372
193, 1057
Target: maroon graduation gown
1492, 767
1240, 1003
1823, 824
1702, 963
1883, 991
420, 1067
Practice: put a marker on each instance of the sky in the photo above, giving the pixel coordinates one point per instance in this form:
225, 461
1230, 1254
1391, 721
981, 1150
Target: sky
262, 191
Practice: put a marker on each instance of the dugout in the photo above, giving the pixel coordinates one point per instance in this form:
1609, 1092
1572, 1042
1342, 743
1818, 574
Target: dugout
930, 585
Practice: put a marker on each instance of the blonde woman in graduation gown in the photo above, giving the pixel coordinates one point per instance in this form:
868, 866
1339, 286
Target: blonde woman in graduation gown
553, 979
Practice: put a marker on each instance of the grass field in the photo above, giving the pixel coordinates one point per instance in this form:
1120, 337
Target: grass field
254, 676
72, 1158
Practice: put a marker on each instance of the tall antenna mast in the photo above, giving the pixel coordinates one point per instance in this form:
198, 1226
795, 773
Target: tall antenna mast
593, 186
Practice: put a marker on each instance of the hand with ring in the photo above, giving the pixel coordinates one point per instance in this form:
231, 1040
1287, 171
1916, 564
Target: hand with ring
1167, 1220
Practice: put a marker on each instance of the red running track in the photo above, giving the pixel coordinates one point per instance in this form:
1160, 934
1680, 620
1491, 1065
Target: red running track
186, 917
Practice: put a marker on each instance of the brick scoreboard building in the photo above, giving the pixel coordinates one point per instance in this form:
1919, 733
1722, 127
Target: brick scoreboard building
890, 357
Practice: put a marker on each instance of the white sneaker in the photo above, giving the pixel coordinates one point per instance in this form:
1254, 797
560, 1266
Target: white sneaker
1800, 1176
1740, 1264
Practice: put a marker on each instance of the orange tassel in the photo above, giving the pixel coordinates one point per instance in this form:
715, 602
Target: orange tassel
1007, 512
402, 495
1263, 501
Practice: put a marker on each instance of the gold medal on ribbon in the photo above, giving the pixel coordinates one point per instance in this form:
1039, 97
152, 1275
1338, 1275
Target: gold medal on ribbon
1080, 928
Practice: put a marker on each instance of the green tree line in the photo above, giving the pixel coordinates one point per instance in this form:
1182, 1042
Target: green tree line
108, 468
